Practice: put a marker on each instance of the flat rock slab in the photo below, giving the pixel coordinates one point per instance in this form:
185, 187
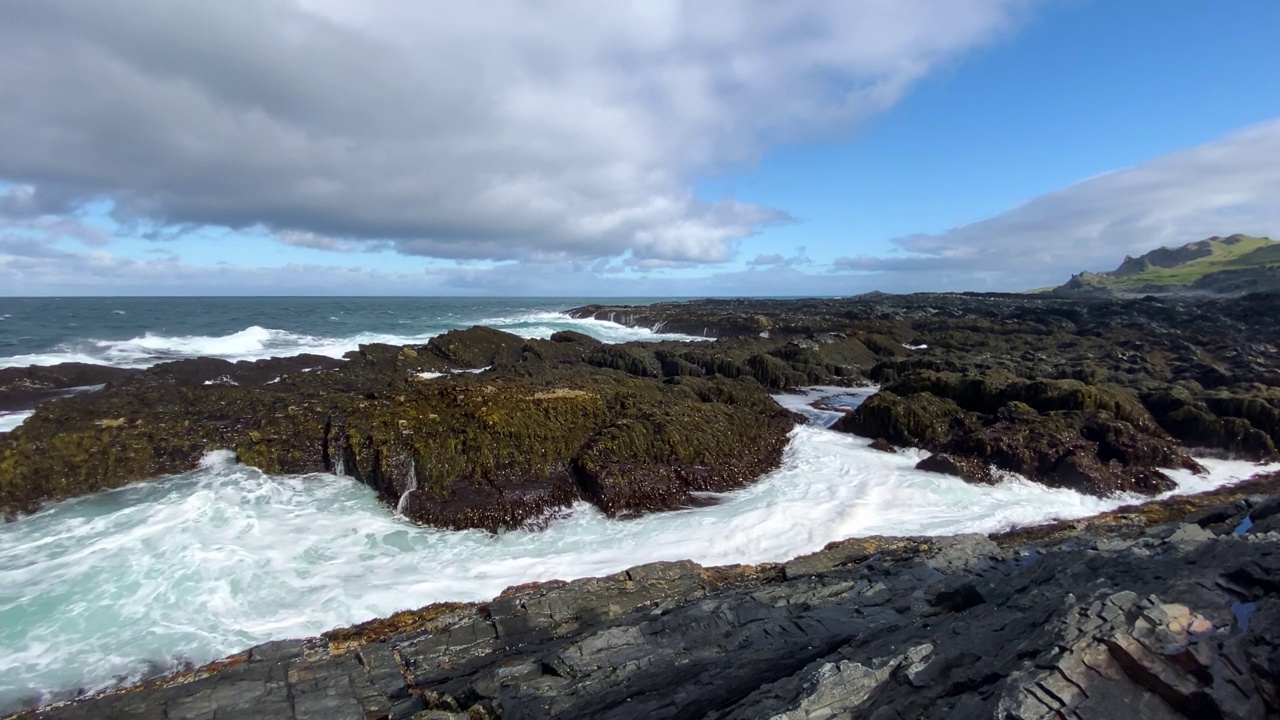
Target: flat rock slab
1124, 619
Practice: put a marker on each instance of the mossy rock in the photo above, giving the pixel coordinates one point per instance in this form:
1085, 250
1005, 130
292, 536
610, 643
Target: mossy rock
658, 460
1260, 406
1090, 451
673, 365
630, 360
882, 345
918, 420
1184, 411
976, 393
477, 347
571, 336
846, 352
489, 451
774, 373
988, 392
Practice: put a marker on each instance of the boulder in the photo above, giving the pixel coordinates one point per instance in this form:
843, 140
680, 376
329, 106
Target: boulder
918, 420
1092, 451
477, 347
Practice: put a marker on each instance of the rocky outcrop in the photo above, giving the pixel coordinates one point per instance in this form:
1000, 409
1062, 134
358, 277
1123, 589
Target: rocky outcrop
457, 450
477, 347
1095, 395
1098, 440
22, 388
1168, 610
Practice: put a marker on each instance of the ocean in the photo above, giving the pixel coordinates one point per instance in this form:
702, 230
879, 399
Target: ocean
104, 590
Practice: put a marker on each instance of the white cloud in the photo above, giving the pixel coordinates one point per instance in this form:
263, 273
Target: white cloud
1226, 186
503, 129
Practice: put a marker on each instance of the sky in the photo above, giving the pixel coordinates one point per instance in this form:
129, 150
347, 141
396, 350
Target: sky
653, 147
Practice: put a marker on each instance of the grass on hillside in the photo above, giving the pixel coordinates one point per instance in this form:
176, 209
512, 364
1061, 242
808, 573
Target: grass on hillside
1250, 252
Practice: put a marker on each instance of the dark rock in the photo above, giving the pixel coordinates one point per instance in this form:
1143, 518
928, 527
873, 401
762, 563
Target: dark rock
22, 388
920, 420
1096, 440
477, 347
485, 451
970, 469
569, 336
1109, 617
882, 445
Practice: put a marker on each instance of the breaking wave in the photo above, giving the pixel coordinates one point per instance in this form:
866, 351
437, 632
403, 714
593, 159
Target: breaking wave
110, 588
256, 342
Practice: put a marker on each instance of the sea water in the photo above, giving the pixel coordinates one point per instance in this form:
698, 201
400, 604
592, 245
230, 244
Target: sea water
139, 332
111, 588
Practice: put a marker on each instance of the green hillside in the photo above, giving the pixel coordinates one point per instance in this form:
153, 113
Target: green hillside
1207, 265
1247, 252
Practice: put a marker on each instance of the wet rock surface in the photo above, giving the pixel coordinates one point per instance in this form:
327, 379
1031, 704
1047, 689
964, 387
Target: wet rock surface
22, 388
1166, 610
547, 424
1096, 395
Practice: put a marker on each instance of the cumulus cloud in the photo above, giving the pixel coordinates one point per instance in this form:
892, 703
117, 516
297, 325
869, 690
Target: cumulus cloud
498, 130
1226, 186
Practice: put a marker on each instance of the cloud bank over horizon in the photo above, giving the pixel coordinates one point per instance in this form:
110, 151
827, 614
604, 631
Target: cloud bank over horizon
1230, 185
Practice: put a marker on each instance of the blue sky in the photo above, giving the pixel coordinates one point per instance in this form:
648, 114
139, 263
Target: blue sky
812, 149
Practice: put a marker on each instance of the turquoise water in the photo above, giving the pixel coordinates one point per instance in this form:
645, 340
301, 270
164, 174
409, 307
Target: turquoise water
180, 571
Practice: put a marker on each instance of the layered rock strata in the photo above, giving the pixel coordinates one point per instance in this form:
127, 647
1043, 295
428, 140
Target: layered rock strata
1165, 611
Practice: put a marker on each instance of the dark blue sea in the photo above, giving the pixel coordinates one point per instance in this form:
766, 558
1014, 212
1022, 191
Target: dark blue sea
137, 332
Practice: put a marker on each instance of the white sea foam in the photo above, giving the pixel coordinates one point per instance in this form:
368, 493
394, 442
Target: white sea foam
208, 563
11, 420
544, 324
256, 342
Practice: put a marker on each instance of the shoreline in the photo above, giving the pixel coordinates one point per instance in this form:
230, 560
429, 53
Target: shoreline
645, 594
1093, 396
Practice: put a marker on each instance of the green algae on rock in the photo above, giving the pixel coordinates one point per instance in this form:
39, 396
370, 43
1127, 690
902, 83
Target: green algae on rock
1091, 394
1098, 440
491, 450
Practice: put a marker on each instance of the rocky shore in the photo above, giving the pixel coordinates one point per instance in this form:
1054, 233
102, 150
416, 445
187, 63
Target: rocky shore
1167, 610
1093, 395
549, 422
1170, 610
